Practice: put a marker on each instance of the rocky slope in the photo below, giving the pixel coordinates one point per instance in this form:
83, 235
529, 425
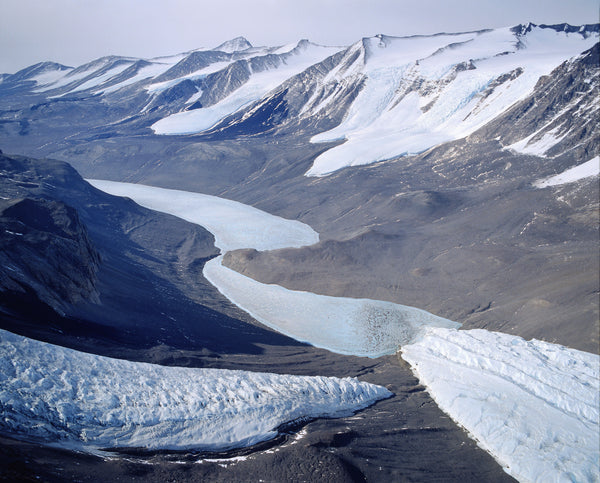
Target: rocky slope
87, 270
448, 217
462, 230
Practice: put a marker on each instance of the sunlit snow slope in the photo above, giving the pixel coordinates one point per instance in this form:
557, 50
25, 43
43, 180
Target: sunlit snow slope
259, 83
360, 327
424, 90
81, 400
585, 170
532, 405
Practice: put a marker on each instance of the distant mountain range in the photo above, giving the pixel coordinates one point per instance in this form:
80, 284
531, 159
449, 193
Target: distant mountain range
385, 96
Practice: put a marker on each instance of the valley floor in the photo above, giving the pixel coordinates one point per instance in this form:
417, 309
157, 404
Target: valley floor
528, 447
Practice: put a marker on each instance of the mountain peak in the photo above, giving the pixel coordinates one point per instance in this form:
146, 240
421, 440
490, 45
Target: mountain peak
234, 45
585, 30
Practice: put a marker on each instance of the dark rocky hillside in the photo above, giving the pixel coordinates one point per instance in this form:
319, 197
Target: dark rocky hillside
92, 271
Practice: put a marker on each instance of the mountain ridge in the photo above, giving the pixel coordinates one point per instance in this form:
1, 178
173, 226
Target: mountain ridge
271, 116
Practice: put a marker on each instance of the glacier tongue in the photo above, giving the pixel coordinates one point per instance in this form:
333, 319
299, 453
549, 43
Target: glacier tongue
233, 224
360, 327
532, 405
85, 401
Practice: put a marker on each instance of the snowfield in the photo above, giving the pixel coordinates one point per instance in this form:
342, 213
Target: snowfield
531, 404
84, 401
466, 81
585, 170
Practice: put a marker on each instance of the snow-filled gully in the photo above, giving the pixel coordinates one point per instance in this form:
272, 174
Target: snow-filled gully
532, 405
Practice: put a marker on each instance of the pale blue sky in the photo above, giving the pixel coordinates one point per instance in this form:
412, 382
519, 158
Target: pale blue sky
75, 31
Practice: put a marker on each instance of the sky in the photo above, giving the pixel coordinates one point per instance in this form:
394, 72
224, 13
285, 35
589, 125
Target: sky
73, 32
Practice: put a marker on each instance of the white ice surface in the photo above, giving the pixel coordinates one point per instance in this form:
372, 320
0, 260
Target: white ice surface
585, 170
536, 147
531, 404
360, 327
84, 401
234, 225
379, 126
259, 84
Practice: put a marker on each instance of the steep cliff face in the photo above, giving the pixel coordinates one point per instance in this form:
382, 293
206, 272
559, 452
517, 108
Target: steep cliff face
559, 118
44, 247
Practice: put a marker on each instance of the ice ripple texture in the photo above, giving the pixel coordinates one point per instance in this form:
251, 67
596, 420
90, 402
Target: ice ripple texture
533, 405
360, 327
82, 400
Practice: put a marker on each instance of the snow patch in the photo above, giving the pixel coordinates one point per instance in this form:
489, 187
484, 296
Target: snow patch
531, 404
80, 400
536, 147
585, 170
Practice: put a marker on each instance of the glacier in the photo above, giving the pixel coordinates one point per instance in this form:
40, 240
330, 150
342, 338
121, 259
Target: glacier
422, 91
533, 405
87, 402
360, 327
233, 224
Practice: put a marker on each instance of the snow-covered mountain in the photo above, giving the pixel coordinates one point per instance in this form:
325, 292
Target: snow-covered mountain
455, 173
384, 96
504, 107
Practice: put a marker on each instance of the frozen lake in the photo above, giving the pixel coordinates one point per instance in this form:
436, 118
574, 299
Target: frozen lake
361, 327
